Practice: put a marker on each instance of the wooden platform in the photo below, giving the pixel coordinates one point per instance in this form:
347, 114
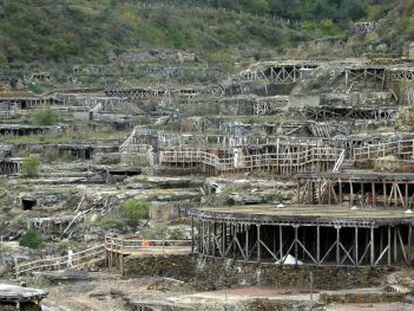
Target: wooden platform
18, 294
328, 215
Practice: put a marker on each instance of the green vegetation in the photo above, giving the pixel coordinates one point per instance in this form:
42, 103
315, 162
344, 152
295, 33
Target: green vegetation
4, 248
134, 211
45, 116
109, 222
63, 137
162, 232
318, 10
31, 239
30, 166
220, 31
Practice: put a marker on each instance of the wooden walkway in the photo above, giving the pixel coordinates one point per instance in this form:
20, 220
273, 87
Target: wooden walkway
323, 158
79, 260
113, 249
131, 245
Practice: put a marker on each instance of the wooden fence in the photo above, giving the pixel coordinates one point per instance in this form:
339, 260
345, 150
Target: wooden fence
290, 162
401, 148
77, 260
131, 244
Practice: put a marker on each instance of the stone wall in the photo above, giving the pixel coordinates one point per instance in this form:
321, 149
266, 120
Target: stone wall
179, 267
215, 273
394, 165
411, 51
211, 273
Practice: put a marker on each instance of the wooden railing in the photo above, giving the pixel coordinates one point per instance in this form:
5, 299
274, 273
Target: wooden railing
132, 244
77, 260
127, 142
297, 159
401, 148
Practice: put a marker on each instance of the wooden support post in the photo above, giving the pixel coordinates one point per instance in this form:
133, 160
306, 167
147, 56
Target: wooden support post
246, 258
410, 241
203, 235
374, 199
274, 239
351, 196
296, 244
338, 257
318, 244
381, 239
121, 263
362, 195
346, 78
406, 197
330, 189
281, 243
356, 246
372, 250
223, 241
395, 193
389, 245
258, 244
395, 245
192, 235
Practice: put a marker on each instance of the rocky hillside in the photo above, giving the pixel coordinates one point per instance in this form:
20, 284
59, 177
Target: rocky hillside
73, 31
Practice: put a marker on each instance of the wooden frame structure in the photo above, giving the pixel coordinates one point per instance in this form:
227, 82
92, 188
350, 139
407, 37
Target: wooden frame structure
134, 93
402, 74
377, 113
386, 190
275, 73
10, 166
362, 75
23, 130
23, 103
403, 148
317, 236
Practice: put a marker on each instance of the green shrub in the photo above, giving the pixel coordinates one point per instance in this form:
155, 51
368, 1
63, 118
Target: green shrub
35, 88
109, 223
30, 166
161, 232
45, 116
31, 239
134, 210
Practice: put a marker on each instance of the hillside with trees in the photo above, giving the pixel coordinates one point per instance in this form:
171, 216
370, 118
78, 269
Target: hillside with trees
66, 31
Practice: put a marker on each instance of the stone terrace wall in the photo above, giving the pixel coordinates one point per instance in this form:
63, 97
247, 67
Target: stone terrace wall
210, 274
214, 273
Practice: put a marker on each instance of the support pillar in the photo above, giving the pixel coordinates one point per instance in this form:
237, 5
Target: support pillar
259, 255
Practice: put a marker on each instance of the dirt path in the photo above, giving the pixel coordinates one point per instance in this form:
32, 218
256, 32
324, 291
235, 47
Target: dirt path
104, 291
